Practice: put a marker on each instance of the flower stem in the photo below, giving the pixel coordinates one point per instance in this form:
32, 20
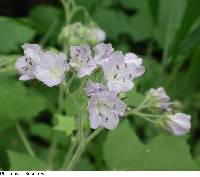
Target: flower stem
70, 151
142, 104
145, 116
25, 140
93, 135
81, 148
54, 142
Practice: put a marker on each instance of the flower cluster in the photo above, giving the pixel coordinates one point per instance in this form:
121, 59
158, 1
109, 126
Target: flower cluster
105, 108
45, 66
174, 122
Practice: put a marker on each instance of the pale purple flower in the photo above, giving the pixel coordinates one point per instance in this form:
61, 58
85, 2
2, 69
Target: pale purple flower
102, 52
131, 58
94, 88
105, 110
161, 99
82, 60
178, 124
51, 69
27, 63
99, 34
119, 73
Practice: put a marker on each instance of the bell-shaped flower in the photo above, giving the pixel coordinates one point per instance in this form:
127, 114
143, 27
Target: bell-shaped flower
102, 52
105, 110
51, 69
82, 60
94, 88
27, 63
119, 73
99, 34
178, 124
160, 98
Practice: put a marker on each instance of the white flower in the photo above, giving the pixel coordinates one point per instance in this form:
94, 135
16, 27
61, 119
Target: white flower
161, 99
120, 72
51, 69
99, 34
82, 60
102, 52
26, 64
105, 109
178, 124
94, 88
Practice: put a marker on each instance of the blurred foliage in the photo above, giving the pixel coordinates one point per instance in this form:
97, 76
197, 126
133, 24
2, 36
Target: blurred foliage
166, 33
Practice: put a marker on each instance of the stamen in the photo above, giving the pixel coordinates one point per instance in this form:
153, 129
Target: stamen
100, 115
117, 66
125, 65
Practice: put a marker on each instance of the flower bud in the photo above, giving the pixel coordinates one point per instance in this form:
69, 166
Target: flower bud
99, 34
73, 34
177, 124
160, 99
77, 33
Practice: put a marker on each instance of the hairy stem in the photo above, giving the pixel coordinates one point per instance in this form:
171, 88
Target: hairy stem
142, 104
24, 140
81, 148
70, 152
54, 142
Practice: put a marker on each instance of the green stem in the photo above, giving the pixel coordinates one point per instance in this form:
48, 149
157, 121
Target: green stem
66, 8
49, 32
142, 104
74, 159
52, 150
168, 40
80, 149
54, 142
24, 140
79, 8
79, 116
93, 135
145, 116
70, 152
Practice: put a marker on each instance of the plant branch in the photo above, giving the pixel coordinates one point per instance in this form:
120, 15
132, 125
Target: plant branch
24, 140
80, 149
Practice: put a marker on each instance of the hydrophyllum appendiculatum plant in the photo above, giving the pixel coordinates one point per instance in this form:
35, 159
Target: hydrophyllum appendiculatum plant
105, 75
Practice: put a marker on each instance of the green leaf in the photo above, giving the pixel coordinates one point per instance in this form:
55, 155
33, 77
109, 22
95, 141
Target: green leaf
74, 85
136, 23
191, 15
106, 18
43, 16
84, 165
133, 98
191, 41
152, 70
80, 98
20, 162
42, 130
169, 19
154, 5
162, 153
17, 102
13, 34
65, 124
